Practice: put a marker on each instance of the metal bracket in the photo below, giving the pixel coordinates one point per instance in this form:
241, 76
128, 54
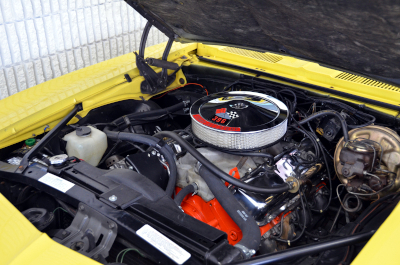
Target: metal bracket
154, 82
90, 233
47, 138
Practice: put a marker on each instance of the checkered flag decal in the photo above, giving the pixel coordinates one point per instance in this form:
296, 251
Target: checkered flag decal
233, 114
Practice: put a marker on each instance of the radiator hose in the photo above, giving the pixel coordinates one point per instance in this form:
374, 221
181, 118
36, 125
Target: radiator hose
251, 232
154, 142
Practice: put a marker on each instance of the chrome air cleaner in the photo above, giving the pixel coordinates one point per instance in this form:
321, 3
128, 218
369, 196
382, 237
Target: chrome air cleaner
239, 120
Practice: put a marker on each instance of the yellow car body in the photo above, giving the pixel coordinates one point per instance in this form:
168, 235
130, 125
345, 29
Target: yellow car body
38, 109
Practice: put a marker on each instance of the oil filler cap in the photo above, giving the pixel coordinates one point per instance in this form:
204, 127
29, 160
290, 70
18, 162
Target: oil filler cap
83, 131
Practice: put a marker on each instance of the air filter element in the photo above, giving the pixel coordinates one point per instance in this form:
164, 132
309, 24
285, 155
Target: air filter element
239, 120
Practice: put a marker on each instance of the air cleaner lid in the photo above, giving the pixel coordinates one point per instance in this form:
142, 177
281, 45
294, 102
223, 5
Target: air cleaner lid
239, 111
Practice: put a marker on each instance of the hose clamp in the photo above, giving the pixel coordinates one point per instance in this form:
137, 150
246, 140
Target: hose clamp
248, 253
197, 167
196, 188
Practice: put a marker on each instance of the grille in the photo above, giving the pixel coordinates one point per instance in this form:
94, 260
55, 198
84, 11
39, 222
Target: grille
266, 57
366, 81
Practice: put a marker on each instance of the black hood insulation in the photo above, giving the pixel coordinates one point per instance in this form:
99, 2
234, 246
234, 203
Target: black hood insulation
358, 36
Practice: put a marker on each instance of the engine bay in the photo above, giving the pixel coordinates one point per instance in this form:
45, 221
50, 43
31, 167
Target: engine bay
226, 170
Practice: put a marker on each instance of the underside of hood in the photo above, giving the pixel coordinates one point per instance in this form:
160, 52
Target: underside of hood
359, 36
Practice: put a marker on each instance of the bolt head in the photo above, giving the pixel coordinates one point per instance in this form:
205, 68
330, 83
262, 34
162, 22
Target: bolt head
113, 198
81, 207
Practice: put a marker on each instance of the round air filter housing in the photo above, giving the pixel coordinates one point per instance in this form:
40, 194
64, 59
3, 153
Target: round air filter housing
239, 120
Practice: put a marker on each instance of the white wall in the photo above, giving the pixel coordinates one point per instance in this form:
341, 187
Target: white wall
43, 39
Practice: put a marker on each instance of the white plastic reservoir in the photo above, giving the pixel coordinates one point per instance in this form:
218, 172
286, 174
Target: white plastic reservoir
86, 143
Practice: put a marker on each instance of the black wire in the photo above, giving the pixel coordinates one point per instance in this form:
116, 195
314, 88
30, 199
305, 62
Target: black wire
232, 84
110, 152
137, 147
304, 131
367, 117
321, 237
281, 228
317, 147
294, 96
330, 181
48, 151
314, 142
326, 151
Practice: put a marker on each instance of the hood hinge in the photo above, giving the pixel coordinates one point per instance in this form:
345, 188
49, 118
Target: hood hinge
155, 82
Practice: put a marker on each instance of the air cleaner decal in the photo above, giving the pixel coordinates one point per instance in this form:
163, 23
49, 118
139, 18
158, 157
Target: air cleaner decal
223, 117
218, 119
220, 111
233, 114
200, 119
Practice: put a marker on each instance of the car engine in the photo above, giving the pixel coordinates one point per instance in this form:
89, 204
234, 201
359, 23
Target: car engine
231, 172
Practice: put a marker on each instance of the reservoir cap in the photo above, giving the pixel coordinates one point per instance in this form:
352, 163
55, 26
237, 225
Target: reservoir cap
30, 141
83, 131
